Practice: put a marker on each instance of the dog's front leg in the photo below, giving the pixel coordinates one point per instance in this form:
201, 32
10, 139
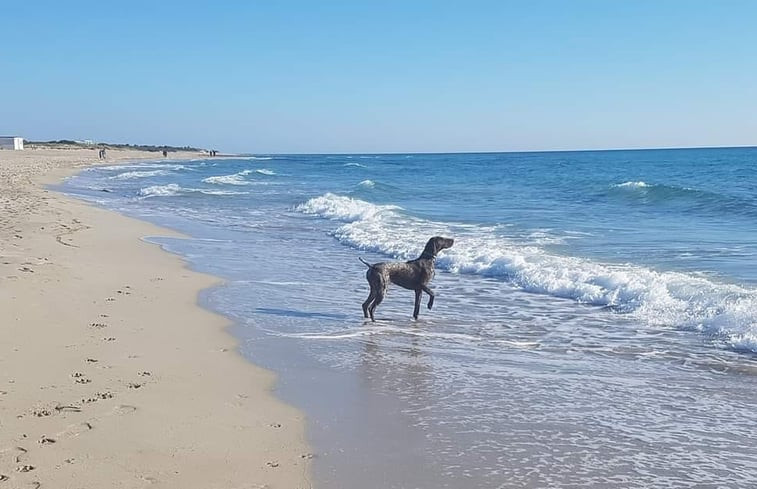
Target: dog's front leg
417, 309
430, 296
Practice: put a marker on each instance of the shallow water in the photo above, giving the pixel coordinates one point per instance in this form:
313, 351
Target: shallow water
595, 325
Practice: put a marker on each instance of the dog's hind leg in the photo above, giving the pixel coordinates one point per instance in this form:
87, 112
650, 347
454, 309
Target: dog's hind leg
368, 301
380, 293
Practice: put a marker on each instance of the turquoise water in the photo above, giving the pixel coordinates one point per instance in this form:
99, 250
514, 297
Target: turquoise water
595, 322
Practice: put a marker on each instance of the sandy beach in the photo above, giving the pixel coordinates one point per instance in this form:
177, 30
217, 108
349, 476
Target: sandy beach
110, 374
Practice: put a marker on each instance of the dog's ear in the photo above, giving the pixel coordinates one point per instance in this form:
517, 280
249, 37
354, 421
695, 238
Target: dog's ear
437, 243
441, 243
431, 248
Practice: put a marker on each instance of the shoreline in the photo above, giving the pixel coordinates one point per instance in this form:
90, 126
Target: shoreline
111, 373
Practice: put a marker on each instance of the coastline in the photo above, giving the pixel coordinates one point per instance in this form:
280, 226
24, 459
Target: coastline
111, 374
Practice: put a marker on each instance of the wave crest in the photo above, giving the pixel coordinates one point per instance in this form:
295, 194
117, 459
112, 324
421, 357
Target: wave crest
160, 190
726, 311
235, 179
129, 175
173, 189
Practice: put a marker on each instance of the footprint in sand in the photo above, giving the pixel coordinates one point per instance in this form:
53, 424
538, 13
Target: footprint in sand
98, 325
109, 338
99, 396
123, 409
67, 409
20, 454
41, 412
80, 378
74, 430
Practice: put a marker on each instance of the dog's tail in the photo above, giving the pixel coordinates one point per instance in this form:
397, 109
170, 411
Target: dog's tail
366, 263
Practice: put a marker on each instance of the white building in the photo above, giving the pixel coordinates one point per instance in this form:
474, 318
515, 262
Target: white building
11, 142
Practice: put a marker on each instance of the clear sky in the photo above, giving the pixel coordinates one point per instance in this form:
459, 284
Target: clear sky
382, 76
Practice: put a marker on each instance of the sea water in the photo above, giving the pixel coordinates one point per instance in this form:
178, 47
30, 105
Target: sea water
595, 322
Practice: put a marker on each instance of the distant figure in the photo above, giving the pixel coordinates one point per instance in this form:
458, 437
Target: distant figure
101, 153
165, 153
103, 150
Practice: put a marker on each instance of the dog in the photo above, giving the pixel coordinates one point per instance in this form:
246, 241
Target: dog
414, 275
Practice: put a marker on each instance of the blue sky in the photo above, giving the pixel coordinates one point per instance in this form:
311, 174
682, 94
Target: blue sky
383, 76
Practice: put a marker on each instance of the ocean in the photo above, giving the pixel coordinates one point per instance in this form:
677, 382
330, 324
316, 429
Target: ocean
595, 323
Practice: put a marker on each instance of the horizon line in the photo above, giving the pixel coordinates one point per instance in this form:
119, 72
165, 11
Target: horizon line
662, 148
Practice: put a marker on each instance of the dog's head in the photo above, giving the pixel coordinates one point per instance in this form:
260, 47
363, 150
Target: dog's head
435, 245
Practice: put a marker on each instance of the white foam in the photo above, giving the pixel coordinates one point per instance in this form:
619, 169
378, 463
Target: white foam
367, 183
357, 165
638, 184
218, 192
265, 171
658, 298
235, 179
129, 175
173, 189
160, 190
343, 208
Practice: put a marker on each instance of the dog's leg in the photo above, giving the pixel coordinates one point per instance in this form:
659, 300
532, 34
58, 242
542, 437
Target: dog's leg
379, 297
368, 301
416, 310
430, 296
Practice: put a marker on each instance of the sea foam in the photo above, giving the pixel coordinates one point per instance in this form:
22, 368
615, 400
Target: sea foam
235, 179
658, 298
638, 184
173, 189
129, 175
160, 190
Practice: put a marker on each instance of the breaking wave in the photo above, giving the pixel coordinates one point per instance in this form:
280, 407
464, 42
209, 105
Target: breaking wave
129, 175
724, 311
173, 189
235, 179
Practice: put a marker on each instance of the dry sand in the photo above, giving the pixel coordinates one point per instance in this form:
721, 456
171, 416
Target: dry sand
110, 375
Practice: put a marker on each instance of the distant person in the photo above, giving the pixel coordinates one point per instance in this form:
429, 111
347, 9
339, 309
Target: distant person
103, 150
165, 154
